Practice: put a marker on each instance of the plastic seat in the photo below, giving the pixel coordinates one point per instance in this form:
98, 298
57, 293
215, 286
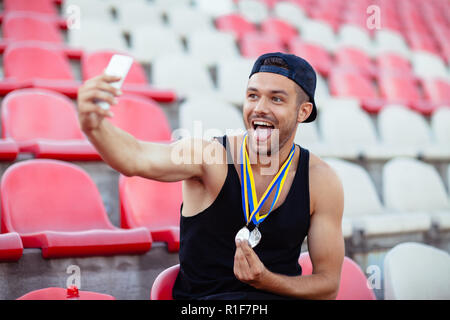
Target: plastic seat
187, 20
390, 41
290, 12
317, 56
280, 29
440, 125
46, 124
355, 37
93, 64
65, 218
8, 149
216, 8
320, 33
415, 271
352, 84
36, 6
144, 38
154, 205
210, 47
98, 10
425, 192
353, 283
52, 72
143, 118
162, 287
133, 14
428, 65
53, 293
437, 91
255, 44
400, 89
254, 11
11, 248
348, 57
389, 62
236, 24
232, 78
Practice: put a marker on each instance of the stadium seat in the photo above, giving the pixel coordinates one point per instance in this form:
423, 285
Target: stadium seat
280, 29
428, 65
390, 41
216, 8
389, 62
35, 6
187, 20
11, 248
317, 56
52, 72
320, 33
232, 77
137, 13
440, 125
353, 282
45, 123
398, 88
53, 293
352, 36
163, 284
364, 211
253, 10
154, 205
88, 9
144, 38
186, 75
437, 91
407, 133
211, 47
290, 12
425, 192
415, 271
65, 218
142, 118
8, 149
255, 44
204, 117
235, 24
93, 64
351, 84
354, 58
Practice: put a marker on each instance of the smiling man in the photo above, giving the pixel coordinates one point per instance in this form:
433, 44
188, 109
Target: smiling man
244, 218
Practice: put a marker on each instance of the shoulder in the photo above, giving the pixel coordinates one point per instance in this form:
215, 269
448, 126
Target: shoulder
325, 186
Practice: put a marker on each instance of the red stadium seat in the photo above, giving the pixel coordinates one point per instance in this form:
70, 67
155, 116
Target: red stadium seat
35, 6
401, 89
162, 287
142, 118
391, 62
45, 123
93, 64
255, 44
11, 248
437, 91
235, 24
61, 294
65, 218
8, 150
280, 29
154, 205
347, 57
349, 83
353, 284
316, 55
52, 72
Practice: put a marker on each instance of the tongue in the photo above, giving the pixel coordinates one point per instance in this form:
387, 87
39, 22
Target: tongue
262, 133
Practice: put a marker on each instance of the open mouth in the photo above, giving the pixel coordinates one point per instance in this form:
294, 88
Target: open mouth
262, 129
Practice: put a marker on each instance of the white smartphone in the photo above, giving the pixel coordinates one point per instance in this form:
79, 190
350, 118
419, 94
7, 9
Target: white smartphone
119, 65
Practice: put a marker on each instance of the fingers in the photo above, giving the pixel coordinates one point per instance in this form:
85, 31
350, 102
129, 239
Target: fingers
241, 267
94, 108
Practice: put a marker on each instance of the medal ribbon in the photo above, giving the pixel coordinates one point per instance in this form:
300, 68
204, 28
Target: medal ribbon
248, 191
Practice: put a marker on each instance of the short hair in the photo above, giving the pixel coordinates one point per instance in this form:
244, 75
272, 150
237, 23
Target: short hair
279, 62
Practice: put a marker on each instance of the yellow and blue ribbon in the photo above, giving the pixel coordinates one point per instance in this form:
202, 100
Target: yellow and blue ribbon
250, 202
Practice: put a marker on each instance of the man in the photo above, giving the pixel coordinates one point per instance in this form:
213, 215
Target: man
242, 223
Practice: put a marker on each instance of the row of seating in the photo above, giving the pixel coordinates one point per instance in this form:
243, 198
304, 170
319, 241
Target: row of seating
52, 218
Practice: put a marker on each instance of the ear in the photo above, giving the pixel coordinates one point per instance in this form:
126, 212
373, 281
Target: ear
304, 111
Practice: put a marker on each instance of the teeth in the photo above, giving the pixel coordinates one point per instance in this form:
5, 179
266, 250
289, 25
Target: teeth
262, 123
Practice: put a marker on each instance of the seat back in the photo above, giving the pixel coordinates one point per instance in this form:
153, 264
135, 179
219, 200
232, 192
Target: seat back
353, 284
236, 24
39, 114
50, 195
61, 294
35, 6
20, 62
439, 125
142, 118
162, 287
416, 271
255, 44
18, 26
348, 83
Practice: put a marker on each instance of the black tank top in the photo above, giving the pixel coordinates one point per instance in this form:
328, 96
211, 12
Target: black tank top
207, 244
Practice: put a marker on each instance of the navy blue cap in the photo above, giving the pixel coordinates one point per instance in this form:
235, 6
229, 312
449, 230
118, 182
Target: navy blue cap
300, 71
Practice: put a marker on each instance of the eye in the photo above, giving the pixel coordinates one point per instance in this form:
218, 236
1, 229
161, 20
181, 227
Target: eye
277, 99
252, 96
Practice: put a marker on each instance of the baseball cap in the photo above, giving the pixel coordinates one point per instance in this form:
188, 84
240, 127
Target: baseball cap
300, 71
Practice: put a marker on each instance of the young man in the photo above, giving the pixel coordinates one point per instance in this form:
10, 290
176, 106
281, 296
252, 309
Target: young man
243, 218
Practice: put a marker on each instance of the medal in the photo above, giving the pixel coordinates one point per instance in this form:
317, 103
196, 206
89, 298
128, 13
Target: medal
250, 204
243, 234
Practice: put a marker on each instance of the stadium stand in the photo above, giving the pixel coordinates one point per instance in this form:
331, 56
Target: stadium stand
62, 225
415, 271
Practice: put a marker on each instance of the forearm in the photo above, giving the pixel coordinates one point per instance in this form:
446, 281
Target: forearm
315, 286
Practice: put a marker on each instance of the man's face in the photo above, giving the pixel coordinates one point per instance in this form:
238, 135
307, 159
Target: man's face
270, 112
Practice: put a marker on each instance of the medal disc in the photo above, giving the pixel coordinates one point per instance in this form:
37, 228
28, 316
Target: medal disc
255, 238
243, 234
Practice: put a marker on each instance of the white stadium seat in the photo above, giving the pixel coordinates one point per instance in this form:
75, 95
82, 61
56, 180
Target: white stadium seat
216, 8
415, 271
426, 64
353, 36
184, 21
134, 14
290, 12
320, 33
252, 10
232, 78
440, 125
391, 41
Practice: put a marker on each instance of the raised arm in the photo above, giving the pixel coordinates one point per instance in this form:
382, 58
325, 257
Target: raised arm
125, 153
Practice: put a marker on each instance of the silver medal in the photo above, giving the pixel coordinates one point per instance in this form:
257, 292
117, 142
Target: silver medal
255, 237
243, 234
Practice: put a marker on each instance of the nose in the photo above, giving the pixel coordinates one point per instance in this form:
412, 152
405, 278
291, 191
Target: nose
261, 106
